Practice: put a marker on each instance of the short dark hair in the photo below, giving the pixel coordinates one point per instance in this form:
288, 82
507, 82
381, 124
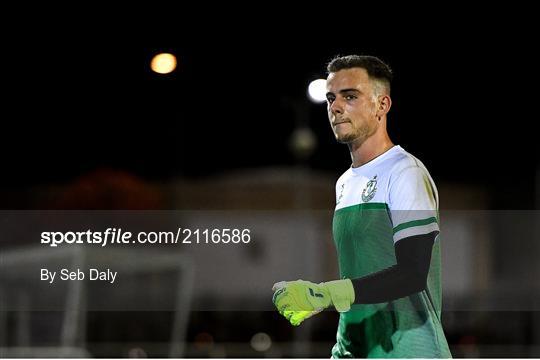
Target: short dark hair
375, 67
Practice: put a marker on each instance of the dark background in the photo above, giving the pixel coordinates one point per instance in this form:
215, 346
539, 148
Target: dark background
80, 96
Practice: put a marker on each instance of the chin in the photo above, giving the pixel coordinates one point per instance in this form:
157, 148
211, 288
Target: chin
348, 138
343, 136
344, 139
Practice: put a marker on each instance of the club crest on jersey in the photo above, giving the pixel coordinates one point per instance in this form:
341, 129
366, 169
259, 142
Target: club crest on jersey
371, 188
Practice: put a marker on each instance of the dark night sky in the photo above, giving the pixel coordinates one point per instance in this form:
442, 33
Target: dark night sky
82, 98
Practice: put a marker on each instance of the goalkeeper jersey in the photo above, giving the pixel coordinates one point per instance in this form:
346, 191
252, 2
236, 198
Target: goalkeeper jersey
384, 201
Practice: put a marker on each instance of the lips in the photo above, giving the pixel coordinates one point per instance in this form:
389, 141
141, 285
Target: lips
341, 122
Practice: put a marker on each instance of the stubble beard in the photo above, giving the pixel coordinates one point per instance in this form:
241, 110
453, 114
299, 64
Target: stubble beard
358, 135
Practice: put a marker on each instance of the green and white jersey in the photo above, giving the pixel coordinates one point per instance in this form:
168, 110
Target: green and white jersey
384, 201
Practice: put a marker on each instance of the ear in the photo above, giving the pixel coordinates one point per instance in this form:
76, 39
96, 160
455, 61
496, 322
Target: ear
384, 105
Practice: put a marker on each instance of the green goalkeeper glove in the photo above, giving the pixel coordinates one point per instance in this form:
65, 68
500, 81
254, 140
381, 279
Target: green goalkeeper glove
299, 300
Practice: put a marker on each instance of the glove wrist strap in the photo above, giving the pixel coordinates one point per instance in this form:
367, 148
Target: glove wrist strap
342, 294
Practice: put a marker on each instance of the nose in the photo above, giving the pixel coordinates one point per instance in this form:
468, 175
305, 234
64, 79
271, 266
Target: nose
336, 107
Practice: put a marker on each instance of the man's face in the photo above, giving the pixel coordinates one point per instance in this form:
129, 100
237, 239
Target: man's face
350, 104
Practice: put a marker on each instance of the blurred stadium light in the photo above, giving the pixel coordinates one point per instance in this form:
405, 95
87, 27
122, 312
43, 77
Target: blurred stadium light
317, 91
163, 63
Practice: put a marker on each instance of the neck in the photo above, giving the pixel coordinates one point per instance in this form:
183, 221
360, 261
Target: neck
368, 150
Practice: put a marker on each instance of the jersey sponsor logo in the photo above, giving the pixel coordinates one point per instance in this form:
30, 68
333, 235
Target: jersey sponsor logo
371, 188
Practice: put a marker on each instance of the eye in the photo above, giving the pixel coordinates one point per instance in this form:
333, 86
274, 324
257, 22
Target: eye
350, 97
330, 99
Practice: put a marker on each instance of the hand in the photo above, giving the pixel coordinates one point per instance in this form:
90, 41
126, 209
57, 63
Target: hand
299, 300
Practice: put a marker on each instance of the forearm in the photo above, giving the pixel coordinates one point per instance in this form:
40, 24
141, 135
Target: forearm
407, 277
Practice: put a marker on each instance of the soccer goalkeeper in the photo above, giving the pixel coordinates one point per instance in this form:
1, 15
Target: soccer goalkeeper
385, 229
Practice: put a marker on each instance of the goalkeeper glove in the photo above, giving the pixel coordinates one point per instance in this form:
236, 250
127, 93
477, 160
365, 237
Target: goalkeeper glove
299, 300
